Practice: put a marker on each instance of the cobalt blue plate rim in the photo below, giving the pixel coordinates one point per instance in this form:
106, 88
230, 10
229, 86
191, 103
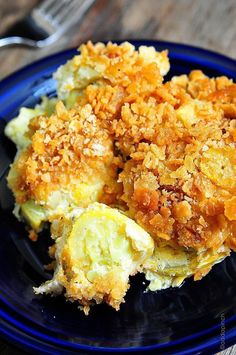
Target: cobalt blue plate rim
14, 329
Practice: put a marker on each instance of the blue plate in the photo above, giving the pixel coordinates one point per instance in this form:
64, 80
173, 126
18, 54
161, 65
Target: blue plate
200, 317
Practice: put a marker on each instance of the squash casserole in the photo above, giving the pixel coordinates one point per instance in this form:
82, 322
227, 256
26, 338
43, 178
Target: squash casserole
133, 173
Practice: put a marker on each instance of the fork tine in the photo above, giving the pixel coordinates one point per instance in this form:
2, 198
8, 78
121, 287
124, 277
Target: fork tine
46, 4
75, 7
57, 7
71, 4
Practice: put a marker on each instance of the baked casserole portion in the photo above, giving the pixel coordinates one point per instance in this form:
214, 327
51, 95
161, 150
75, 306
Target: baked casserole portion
134, 173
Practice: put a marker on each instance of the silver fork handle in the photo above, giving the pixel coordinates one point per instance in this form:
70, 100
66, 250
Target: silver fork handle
22, 41
15, 40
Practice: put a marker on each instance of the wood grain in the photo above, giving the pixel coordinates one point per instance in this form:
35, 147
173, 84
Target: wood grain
205, 23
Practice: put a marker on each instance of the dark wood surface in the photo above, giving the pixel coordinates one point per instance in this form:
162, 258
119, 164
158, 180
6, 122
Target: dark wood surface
205, 23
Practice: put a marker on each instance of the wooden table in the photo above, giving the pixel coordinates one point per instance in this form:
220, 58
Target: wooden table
206, 23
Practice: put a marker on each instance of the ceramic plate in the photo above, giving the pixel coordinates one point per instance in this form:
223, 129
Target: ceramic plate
199, 317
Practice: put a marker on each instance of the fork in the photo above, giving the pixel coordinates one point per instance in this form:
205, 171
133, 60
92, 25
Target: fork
46, 23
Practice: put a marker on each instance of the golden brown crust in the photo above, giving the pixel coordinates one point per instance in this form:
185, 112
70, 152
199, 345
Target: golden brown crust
68, 147
180, 183
109, 289
173, 144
